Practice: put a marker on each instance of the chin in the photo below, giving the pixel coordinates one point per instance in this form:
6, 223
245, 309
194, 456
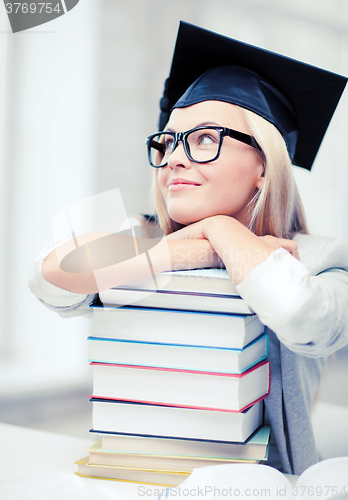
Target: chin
185, 221
182, 217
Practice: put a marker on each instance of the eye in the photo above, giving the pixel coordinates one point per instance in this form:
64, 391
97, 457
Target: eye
168, 143
205, 139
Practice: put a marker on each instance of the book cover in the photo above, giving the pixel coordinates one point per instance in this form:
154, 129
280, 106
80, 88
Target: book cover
130, 474
170, 299
132, 447
140, 419
150, 461
176, 327
182, 388
254, 447
178, 356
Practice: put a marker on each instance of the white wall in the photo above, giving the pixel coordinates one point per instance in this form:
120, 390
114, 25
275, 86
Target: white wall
49, 160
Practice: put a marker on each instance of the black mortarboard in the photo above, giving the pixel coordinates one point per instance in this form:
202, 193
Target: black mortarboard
297, 98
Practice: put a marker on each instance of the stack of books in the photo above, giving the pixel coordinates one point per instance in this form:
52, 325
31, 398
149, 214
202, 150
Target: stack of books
178, 380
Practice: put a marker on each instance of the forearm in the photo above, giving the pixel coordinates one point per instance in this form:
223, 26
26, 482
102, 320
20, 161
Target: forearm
77, 282
166, 255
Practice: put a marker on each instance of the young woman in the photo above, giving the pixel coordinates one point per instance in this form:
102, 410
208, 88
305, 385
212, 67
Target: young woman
225, 194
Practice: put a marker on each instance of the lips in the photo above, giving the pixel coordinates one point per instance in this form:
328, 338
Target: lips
177, 181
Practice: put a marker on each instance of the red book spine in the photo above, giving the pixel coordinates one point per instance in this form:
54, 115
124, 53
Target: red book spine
216, 374
262, 363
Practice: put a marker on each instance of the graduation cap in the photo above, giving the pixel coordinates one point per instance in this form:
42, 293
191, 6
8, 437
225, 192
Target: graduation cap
299, 99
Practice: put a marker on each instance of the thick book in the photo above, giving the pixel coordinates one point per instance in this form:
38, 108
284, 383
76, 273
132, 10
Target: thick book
146, 420
173, 463
168, 299
130, 474
184, 388
196, 358
254, 448
213, 280
176, 327
209, 290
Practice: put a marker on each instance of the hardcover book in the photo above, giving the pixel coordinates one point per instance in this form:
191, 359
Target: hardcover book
156, 354
176, 327
146, 420
182, 388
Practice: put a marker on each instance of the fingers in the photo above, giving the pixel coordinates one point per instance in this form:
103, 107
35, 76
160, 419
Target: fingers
288, 245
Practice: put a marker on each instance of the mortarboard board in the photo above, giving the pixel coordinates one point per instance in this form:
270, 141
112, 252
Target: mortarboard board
299, 99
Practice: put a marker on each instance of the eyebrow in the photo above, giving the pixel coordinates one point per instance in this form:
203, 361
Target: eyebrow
203, 124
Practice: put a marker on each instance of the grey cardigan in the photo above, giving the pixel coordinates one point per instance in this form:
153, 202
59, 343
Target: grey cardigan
302, 336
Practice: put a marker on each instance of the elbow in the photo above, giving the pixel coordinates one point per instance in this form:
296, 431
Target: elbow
50, 269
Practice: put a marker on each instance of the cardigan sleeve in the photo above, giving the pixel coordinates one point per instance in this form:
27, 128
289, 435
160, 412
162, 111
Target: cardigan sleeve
67, 304
309, 314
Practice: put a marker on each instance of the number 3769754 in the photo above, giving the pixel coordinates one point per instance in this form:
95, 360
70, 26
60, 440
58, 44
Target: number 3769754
32, 8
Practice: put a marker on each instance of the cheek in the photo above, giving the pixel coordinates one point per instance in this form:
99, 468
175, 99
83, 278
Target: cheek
243, 172
234, 184
162, 180
227, 178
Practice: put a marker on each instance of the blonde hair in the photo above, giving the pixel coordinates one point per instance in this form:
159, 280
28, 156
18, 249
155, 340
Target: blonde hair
276, 209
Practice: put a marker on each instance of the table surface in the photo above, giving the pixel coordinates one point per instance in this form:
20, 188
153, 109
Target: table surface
32, 453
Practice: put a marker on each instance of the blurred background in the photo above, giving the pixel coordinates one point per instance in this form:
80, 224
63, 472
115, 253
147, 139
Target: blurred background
78, 96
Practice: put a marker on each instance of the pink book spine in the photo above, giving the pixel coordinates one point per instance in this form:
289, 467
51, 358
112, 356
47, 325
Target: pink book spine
215, 374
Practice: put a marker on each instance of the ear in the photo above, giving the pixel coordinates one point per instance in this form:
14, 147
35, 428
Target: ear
261, 178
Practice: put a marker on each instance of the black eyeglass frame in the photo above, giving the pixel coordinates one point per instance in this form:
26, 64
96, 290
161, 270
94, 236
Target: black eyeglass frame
182, 136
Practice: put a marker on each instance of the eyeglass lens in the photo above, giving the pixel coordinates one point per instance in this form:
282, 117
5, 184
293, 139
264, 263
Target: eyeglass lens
202, 145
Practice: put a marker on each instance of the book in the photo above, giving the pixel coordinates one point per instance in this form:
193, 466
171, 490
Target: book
172, 463
182, 388
325, 479
130, 474
196, 358
254, 448
176, 327
170, 299
146, 420
214, 280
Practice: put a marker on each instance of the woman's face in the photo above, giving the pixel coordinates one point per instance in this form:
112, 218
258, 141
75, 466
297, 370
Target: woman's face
222, 187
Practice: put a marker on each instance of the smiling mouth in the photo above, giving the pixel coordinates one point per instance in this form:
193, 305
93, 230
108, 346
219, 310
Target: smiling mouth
179, 184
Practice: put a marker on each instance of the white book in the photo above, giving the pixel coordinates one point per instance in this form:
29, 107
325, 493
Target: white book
254, 448
209, 290
326, 479
213, 280
97, 456
196, 358
168, 421
193, 389
166, 299
176, 327
130, 474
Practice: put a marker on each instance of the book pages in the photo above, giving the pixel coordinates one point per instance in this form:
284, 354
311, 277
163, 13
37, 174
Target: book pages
324, 480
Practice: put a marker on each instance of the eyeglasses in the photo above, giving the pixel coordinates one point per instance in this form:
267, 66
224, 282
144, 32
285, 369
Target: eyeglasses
201, 144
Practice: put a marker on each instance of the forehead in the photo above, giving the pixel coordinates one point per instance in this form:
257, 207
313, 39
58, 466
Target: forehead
214, 112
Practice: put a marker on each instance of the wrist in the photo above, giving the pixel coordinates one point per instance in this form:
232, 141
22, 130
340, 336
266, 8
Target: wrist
192, 254
217, 226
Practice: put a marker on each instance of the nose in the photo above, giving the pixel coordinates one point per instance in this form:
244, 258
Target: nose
178, 157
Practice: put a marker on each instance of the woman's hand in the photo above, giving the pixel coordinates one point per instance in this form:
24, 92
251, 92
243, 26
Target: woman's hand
288, 245
195, 231
239, 249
